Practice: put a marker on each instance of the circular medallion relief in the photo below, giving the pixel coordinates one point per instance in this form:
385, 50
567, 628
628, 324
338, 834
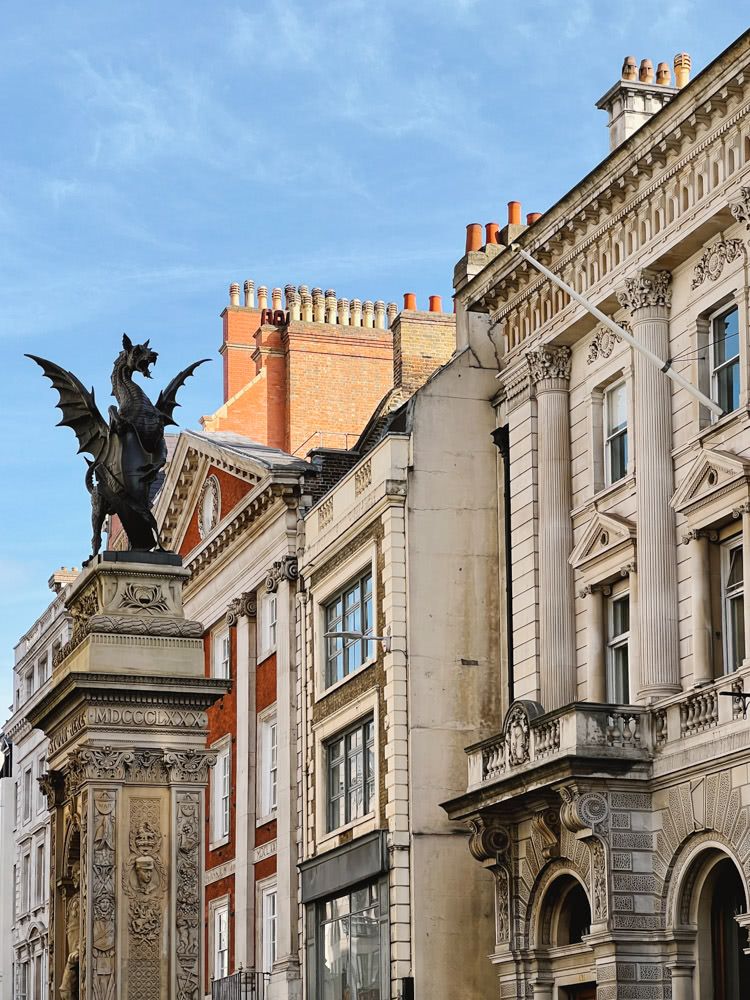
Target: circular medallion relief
208, 506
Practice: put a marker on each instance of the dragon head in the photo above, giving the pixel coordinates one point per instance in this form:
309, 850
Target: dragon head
138, 357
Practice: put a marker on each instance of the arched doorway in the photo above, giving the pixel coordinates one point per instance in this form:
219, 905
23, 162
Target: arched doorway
560, 947
723, 966
713, 896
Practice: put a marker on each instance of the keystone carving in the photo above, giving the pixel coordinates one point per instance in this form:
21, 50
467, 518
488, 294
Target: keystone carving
647, 288
549, 362
285, 568
714, 258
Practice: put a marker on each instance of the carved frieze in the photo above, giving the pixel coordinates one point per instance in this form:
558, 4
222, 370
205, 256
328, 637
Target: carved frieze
714, 258
549, 363
147, 598
598, 880
646, 289
170, 628
285, 568
135, 766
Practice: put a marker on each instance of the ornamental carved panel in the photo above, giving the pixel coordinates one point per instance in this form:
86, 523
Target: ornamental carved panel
713, 260
187, 867
144, 882
103, 897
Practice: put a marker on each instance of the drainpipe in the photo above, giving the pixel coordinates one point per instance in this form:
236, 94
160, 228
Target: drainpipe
501, 437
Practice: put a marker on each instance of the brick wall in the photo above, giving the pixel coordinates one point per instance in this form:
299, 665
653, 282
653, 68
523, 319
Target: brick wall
422, 342
232, 491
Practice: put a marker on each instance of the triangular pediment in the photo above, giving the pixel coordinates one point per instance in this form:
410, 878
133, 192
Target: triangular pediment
602, 536
215, 471
712, 472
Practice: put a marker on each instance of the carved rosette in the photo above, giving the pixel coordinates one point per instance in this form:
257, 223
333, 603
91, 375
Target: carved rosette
582, 811
714, 258
549, 367
103, 897
648, 289
187, 868
144, 882
741, 209
285, 568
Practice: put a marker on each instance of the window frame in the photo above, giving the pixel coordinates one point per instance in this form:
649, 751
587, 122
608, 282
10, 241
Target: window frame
41, 801
609, 436
26, 793
26, 881
221, 798
221, 653
735, 360
39, 870
316, 920
269, 623
728, 546
337, 623
268, 775
267, 944
616, 642
344, 761
219, 908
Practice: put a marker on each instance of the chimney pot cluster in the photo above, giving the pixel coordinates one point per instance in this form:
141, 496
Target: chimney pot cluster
315, 306
645, 73
410, 303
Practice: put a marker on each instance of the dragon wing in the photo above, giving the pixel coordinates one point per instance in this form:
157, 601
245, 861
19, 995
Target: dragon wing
167, 400
79, 409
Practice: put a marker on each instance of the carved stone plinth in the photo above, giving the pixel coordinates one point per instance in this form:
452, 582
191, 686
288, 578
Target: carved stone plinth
127, 724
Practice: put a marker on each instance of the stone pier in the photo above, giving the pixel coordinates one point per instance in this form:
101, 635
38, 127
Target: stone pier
126, 719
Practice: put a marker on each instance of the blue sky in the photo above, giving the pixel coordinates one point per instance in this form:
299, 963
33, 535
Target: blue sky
152, 153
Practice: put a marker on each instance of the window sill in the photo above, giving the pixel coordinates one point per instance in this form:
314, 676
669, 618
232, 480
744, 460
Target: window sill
706, 432
214, 845
264, 654
263, 820
365, 824
344, 680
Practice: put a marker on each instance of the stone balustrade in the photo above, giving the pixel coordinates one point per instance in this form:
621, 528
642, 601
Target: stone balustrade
532, 738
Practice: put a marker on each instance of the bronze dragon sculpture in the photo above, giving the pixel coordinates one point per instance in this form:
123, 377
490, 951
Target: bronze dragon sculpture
128, 454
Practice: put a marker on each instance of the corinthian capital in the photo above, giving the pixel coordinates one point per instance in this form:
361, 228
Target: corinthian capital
548, 362
647, 288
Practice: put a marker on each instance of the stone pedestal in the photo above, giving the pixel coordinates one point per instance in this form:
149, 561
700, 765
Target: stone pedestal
126, 719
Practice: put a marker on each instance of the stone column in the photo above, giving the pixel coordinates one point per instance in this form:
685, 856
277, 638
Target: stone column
700, 584
550, 373
648, 298
282, 579
596, 672
682, 980
127, 724
242, 615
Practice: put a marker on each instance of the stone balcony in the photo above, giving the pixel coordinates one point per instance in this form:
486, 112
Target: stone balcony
536, 748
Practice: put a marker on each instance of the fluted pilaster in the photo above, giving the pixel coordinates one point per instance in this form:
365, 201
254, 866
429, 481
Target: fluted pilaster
550, 371
648, 297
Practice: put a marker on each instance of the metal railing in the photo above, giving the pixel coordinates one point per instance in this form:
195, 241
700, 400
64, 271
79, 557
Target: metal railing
241, 985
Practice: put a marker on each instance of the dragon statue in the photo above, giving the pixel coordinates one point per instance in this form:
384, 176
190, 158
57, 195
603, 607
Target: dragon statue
128, 454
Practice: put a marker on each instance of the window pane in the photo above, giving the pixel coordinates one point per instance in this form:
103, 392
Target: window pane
617, 408
335, 980
737, 630
620, 681
618, 457
726, 337
728, 386
620, 616
734, 576
365, 954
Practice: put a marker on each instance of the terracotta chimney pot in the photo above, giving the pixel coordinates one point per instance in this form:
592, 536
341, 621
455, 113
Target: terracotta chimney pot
436, 302
532, 217
514, 213
473, 237
629, 68
682, 64
492, 232
410, 300
646, 72
663, 74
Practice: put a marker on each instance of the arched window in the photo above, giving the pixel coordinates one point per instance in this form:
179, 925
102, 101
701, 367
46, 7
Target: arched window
575, 916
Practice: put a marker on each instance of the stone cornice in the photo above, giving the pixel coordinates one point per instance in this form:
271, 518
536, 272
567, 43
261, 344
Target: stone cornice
624, 170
